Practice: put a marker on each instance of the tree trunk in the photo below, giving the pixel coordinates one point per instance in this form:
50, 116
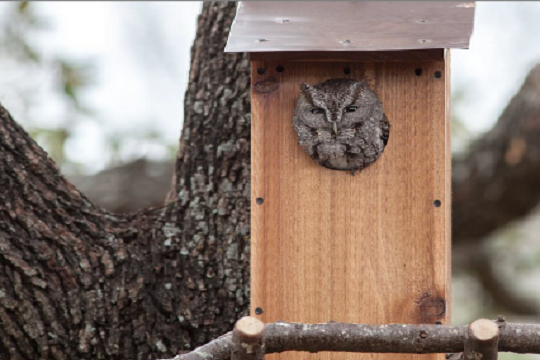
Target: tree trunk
77, 282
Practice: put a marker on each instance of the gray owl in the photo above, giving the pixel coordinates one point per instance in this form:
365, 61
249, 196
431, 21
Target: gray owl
341, 124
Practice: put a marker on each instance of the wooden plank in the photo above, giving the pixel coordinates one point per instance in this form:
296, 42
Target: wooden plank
351, 56
369, 248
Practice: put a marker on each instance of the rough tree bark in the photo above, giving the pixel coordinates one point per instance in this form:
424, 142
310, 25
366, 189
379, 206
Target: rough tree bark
77, 282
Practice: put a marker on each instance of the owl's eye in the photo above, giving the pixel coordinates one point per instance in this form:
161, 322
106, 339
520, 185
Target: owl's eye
317, 111
351, 108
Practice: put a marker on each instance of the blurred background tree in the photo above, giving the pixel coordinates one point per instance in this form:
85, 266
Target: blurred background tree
65, 102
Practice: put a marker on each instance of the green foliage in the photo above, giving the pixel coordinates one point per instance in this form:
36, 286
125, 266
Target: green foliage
54, 139
22, 29
19, 25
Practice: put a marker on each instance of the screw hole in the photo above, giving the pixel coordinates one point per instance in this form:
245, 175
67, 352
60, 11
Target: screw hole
261, 71
259, 201
418, 72
423, 334
258, 311
437, 203
438, 74
280, 68
347, 71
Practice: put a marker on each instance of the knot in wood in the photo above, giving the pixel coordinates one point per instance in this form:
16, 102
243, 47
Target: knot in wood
433, 307
266, 86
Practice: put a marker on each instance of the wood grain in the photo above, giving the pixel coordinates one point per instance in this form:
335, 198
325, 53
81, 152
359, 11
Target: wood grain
357, 56
369, 248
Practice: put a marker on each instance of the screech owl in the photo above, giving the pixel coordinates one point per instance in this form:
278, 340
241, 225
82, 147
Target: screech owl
341, 124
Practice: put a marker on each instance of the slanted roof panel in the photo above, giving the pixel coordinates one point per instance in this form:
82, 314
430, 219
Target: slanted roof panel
350, 25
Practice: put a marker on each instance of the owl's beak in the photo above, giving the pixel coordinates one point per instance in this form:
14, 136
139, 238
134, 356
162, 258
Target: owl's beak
335, 128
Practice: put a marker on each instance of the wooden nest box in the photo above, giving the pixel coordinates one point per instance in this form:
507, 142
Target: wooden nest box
326, 245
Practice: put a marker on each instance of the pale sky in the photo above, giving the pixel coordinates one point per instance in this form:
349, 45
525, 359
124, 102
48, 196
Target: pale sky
141, 54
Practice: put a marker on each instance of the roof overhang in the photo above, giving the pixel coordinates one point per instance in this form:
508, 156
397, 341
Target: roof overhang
272, 26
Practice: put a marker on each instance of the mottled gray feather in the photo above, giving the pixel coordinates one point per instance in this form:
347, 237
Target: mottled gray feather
335, 138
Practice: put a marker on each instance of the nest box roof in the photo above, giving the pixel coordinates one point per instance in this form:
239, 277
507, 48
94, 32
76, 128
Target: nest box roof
271, 26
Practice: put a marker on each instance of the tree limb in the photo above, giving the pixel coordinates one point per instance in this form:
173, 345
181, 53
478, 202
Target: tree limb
482, 341
362, 338
247, 338
478, 259
497, 181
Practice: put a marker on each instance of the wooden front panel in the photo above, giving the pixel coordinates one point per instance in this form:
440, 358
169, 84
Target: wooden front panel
368, 248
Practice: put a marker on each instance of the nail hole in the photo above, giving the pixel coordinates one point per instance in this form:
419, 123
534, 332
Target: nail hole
347, 71
438, 323
423, 334
259, 201
261, 71
345, 42
258, 311
280, 68
438, 74
437, 203
418, 72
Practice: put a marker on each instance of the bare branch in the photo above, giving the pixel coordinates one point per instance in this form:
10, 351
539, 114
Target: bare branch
503, 293
247, 339
362, 338
496, 182
482, 341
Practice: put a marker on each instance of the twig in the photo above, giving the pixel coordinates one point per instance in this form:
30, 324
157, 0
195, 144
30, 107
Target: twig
482, 341
247, 339
392, 338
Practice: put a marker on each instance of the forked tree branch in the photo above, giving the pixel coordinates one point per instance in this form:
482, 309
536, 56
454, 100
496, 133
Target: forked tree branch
392, 338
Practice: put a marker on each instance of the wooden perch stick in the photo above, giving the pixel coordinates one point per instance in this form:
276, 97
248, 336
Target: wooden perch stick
392, 338
247, 339
482, 341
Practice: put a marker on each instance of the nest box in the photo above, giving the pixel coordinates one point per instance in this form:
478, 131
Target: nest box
326, 245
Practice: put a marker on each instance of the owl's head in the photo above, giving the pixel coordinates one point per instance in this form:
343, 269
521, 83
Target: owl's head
341, 124
335, 104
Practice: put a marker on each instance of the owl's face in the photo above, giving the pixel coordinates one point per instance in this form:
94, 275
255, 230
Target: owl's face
341, 124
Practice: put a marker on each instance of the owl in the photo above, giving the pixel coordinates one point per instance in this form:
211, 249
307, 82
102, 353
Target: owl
341, 124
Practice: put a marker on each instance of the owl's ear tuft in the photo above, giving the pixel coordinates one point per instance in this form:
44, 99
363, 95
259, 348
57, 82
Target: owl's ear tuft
307, 91
358, 90
305, 87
